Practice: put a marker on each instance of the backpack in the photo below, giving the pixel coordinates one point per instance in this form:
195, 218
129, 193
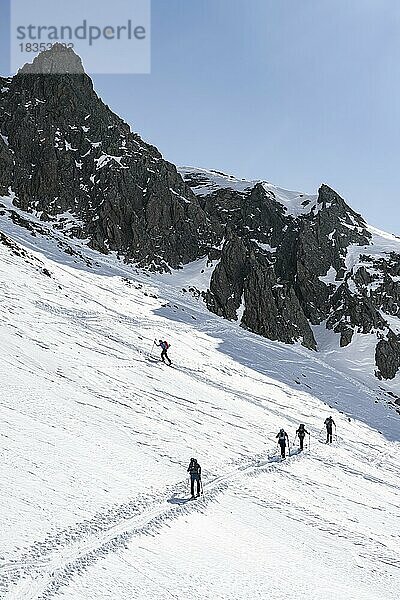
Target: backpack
301, 430
164, 345
282, 435
194, 467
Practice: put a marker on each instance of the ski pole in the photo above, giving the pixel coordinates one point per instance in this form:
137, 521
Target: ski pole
201, 485
309, 441
151, 352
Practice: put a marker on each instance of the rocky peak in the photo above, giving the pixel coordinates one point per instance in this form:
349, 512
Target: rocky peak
58, 60
68, 154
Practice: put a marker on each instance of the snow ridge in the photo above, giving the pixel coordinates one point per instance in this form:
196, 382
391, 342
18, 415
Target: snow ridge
209, 181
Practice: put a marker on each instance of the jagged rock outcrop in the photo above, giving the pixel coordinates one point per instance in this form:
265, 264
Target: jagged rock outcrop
321, 244
6, 154
387, 356
6, 166
291, 261
272, 308
286, 258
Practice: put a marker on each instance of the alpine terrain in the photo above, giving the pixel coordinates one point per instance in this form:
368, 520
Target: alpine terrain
279, 308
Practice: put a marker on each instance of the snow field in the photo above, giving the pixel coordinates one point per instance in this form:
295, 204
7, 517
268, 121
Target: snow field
96, 437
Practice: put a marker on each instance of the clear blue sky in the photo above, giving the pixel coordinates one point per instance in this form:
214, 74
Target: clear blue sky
298, 92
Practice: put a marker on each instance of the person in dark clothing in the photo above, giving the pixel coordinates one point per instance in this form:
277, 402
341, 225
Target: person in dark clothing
282, 439
329, 422
301, 433
164, 348
194, 470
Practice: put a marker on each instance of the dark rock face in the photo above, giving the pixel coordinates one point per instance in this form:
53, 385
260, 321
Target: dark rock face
286, 261
272, 307
387, 357
73, 155
228, 278
6, 154
322, 244
6, 167
283, 287
245, 276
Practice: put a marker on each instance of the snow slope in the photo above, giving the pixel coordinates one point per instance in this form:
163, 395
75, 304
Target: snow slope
96, 435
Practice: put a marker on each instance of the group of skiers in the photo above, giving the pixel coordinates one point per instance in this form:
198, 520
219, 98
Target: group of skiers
283, 438
194, 468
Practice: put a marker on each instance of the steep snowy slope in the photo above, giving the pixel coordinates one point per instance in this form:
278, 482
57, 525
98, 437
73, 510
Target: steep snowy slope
96, 435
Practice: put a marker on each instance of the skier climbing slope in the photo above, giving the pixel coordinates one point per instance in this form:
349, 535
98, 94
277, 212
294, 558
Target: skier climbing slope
163, 344
283, 441
301, 433
194, 470
329, 424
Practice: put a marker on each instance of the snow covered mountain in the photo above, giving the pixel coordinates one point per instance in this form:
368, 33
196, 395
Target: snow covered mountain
291, 262
289, 266
96, 436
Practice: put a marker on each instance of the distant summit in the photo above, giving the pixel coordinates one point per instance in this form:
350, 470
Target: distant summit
57, 60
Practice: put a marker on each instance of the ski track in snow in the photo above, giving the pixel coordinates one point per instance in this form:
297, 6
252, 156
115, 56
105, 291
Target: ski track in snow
94, 430
50, 564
